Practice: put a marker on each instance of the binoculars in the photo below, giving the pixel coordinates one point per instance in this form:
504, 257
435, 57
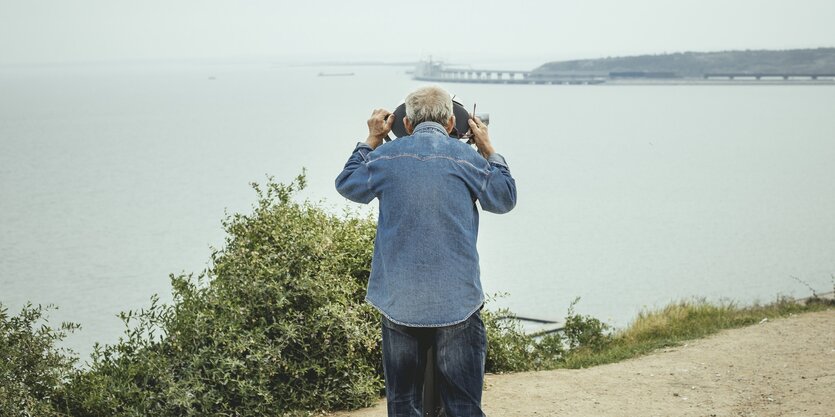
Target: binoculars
398, 128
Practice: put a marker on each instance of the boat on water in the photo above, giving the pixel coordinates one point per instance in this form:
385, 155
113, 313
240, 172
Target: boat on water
336, 74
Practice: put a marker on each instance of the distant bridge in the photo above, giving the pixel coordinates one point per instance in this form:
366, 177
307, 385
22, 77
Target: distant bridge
762, 76
435, 71
467, 75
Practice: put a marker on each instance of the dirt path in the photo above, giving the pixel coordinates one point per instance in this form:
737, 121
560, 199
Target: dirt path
784, 367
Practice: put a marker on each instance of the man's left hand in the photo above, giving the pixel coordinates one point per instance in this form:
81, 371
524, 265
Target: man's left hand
379, 126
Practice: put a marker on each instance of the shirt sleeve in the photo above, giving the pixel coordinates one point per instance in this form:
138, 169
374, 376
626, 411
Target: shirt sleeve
352, 182
499, 192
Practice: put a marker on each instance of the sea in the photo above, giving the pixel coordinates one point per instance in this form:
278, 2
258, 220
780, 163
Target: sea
113, 176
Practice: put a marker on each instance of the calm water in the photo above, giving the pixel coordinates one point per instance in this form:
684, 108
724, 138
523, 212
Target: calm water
629, 196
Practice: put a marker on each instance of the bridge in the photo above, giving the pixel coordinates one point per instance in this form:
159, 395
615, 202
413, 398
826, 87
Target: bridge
436, 71
763, 76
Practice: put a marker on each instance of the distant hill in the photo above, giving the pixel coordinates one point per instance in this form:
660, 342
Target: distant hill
696, 64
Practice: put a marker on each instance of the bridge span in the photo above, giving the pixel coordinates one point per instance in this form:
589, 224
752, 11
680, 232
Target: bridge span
762, 76
436, 71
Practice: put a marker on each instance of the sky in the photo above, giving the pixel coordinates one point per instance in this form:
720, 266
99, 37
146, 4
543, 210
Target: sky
72, 31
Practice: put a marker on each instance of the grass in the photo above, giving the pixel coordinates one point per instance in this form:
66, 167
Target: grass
682, 321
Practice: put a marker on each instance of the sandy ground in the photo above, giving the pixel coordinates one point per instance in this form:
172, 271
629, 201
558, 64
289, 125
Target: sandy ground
783, 367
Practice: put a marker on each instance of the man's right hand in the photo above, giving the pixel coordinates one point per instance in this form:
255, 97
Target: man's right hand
379, 126
481, 137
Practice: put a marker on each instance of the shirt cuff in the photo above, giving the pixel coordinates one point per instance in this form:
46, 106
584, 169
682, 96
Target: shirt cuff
496, 158
363, 149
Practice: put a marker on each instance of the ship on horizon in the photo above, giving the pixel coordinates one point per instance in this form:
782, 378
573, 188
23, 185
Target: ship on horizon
336, 74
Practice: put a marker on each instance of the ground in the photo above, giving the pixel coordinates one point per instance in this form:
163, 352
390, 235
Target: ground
783, 367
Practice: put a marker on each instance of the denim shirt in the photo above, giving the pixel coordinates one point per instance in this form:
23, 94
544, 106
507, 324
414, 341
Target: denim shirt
425, 271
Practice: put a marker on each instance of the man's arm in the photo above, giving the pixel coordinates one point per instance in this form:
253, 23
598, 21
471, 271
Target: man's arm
499, 193
352, 182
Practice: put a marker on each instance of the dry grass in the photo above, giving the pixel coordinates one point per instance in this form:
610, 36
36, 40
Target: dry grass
683, 321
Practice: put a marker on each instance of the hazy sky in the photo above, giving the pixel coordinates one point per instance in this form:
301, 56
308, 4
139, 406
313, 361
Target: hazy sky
34, 31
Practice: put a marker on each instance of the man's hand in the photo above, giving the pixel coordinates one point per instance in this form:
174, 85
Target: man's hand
480, 137
379, 126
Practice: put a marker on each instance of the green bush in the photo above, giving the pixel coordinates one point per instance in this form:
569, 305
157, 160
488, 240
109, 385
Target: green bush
585, 332
509, 349
276, 326
32, 368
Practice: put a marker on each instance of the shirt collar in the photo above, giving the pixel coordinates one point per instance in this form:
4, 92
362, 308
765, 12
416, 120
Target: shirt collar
429, 127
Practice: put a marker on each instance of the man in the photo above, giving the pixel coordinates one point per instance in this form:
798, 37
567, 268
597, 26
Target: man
424, 271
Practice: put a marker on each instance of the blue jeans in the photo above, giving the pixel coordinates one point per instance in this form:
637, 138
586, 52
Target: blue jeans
460, 349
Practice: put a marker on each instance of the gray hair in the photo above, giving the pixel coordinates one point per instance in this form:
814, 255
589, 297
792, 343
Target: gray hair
429, 104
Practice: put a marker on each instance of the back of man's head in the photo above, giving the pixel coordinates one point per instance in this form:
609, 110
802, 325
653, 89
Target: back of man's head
429, 104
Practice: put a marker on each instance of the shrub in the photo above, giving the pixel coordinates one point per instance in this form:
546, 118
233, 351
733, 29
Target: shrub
509, 349
32, 368
585, 331
276, 326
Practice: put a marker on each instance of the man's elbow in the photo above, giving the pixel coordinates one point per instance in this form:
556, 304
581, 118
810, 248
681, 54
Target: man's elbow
351, 190
339, 183
505, 206
505, 202
343, 187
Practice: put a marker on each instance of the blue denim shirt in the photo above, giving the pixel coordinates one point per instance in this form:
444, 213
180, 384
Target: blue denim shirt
424, 271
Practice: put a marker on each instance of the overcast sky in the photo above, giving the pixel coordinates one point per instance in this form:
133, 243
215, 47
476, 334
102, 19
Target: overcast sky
34, 31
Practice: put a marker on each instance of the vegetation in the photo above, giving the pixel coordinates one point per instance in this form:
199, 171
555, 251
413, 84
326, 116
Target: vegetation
32, 368
511, 350
278, 326
696, 64
683, 321
586, 341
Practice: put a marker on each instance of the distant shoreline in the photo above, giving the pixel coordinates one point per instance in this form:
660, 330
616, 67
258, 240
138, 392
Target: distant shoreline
788, 67
637, 82
719, 82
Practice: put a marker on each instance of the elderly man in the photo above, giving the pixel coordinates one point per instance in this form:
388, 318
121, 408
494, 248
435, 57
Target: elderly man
425, 272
